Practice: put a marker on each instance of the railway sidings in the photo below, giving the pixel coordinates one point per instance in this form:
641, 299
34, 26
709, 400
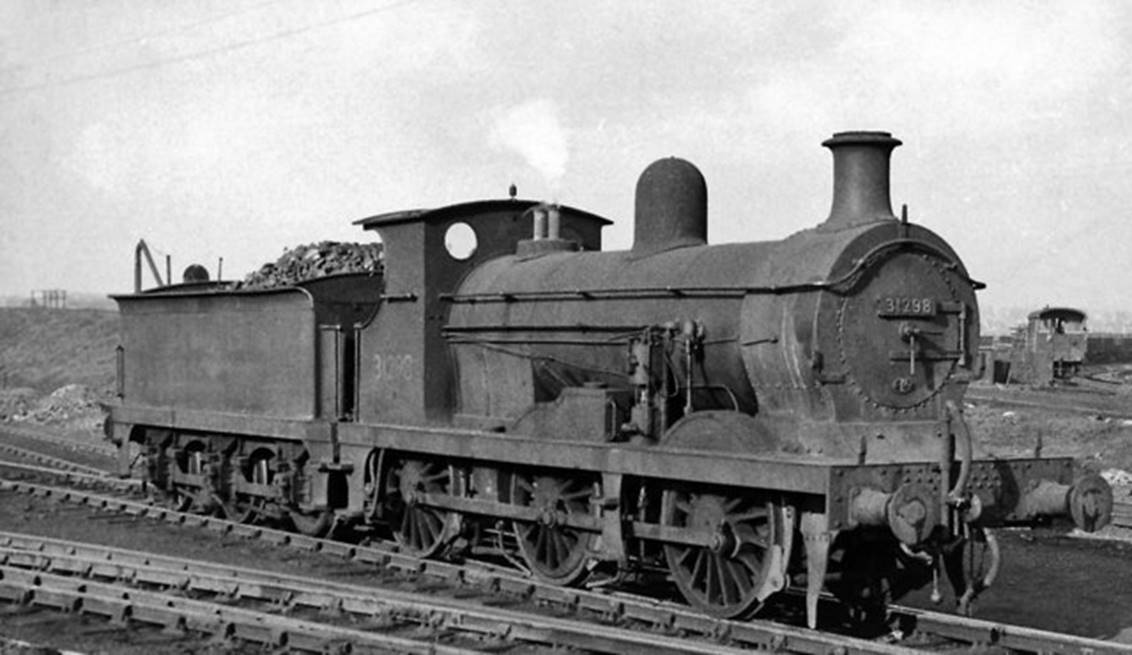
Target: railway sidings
476, 591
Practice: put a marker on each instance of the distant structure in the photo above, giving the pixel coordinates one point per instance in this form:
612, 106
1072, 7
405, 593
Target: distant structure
1050, 347
49, 298
1110, 348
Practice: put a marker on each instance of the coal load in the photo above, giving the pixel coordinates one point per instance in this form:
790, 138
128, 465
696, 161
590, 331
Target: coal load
316, 260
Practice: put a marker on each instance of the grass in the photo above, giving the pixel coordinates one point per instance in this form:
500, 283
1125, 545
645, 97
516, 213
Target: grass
44, 349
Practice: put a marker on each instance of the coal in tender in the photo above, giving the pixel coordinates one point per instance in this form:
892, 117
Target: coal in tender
315, 260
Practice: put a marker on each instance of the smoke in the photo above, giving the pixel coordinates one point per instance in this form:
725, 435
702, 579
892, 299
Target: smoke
533, 131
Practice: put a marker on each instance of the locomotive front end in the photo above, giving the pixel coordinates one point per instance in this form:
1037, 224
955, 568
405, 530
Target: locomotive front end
890, 341
900, 334
761, 398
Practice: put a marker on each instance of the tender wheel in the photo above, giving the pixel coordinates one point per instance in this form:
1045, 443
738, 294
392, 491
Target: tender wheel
247, 508
312, 524
554, 551
193, 460
420, 529
723, 579
180, 498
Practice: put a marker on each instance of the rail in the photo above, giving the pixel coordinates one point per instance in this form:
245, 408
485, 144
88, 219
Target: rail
646, 613
100, 479
46, 436
52, 461
290, 593
71, 594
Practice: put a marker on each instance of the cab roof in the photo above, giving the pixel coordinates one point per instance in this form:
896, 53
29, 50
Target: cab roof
476, 206
1063, 313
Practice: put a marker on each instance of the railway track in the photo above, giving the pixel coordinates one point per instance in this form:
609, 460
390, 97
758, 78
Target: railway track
51, 461
61, 469
1051, 401
44, 448
920, 630
278, 609
125, 604
644, 614
47, 436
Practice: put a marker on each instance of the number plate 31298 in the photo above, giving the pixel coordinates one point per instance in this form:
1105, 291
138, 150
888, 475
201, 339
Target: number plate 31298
905, 306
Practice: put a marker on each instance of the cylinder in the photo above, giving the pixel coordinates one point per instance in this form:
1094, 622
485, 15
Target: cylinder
860, 178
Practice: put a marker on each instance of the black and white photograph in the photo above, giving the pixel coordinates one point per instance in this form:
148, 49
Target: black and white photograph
424, 326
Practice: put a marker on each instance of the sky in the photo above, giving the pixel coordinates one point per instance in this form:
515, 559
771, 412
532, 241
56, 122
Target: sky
239, 128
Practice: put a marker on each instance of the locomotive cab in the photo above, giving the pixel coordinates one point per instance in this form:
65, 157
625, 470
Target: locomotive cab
406, 373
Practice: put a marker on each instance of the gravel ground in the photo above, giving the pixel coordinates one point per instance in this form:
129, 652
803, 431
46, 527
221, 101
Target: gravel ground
1053, 581
1098, 431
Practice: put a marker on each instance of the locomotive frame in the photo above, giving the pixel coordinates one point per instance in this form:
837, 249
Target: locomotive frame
743, 416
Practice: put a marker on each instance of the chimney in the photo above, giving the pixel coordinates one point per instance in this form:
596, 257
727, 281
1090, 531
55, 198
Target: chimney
546, 236
860, 178
671, 207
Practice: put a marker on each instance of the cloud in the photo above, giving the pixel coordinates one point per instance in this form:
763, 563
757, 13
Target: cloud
533, 130
988, 67
92, 158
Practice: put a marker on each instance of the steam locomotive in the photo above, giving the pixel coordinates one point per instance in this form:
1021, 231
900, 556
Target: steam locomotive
744, 417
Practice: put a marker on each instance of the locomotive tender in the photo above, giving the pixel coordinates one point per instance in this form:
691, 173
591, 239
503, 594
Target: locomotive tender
745, 416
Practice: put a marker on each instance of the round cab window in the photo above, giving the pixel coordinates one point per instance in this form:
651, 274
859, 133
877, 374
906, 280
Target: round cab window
460, 240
